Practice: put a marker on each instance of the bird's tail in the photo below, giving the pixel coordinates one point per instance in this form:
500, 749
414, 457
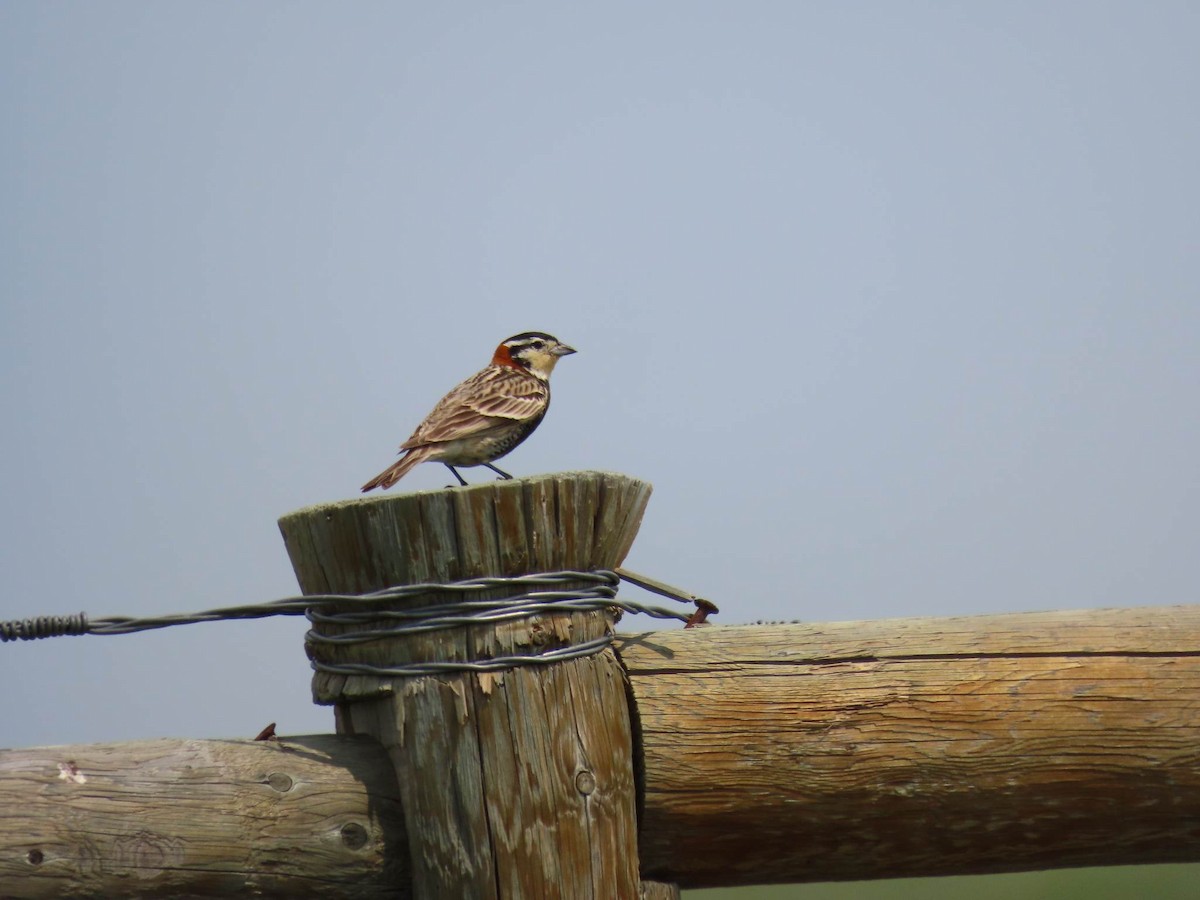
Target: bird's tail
398, 469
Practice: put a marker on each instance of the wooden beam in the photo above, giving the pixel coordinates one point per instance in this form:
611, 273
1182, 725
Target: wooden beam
891, 748
518, 783
780, 753
300, 817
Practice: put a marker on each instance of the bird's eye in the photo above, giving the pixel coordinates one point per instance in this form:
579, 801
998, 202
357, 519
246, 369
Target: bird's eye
538, 345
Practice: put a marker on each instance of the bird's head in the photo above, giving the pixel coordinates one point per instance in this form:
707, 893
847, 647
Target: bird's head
532, 351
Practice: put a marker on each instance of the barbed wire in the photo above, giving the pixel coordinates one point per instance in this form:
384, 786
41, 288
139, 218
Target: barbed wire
545, 592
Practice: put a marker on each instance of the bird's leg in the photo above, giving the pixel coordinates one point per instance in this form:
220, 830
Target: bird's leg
504, 475
462, 481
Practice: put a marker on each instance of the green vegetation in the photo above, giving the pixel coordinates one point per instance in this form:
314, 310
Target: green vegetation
1170, 882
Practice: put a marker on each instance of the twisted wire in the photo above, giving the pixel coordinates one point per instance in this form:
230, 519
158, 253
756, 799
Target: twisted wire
539, 593
493, 664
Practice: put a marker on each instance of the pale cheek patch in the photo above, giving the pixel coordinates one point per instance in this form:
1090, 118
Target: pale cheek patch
544, 362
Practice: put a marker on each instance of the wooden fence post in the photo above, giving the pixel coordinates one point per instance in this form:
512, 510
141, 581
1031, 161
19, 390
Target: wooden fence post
515, 784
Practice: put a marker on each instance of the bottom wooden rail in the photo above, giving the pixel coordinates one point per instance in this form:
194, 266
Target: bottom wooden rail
202, 818
907, 747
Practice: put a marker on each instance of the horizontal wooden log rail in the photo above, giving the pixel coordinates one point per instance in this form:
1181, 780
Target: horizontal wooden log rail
919, 746
313, 815
780, 753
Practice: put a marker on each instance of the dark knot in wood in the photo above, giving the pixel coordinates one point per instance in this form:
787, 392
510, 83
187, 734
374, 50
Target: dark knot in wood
585, 782
354, 836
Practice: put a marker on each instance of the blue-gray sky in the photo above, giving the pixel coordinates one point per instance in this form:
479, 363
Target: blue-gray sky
897, 305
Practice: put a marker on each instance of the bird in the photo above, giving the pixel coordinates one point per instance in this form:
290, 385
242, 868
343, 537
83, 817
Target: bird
487, 415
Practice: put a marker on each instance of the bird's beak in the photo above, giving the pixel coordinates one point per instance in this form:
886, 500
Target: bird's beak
563, 350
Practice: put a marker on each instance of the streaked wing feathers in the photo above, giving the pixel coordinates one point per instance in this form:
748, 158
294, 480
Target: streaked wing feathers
492, 397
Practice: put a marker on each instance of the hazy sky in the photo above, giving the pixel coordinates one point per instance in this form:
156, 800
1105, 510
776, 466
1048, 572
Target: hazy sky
896, 304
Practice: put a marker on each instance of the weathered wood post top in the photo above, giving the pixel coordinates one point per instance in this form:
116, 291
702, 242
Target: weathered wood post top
517, 783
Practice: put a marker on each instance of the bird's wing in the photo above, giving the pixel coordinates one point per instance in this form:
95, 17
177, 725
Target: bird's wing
494, 396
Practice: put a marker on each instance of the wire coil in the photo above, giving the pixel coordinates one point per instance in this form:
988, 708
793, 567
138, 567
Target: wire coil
543, 593
43, 627
538, 594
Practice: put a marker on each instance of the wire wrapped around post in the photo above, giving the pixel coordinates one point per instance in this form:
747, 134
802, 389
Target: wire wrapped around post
516, 783
600, 593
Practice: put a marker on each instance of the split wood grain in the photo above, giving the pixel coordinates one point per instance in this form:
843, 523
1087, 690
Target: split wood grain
516, 784
891, 748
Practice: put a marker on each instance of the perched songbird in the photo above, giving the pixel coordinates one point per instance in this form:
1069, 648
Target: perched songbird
488, 414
